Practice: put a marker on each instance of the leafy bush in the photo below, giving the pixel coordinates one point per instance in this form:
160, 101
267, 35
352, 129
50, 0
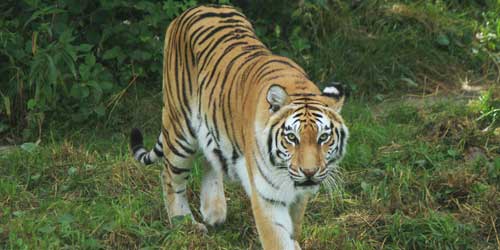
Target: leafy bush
66, 58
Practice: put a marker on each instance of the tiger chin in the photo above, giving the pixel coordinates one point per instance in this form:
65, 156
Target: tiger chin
255, 116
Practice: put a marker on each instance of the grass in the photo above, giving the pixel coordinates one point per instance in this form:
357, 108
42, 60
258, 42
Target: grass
410, 182
422, 170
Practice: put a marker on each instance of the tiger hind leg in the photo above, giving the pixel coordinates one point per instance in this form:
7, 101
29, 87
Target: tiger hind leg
174, 178
213, 206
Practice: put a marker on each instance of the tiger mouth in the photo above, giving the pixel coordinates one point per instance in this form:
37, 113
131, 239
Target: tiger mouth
306, 183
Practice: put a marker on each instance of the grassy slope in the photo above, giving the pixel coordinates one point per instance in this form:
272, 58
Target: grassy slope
409, 183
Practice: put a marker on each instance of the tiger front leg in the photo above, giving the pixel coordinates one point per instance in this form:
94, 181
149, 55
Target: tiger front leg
213, 206
297, 210
274, 224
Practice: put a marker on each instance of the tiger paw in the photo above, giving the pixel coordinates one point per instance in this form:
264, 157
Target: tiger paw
214, 215
297, 246
189, 221
200, 227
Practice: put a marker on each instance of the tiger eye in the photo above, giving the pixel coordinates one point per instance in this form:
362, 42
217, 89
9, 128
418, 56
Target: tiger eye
291, 137
323, 137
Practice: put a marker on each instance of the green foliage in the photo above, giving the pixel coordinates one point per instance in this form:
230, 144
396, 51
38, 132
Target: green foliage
66, 58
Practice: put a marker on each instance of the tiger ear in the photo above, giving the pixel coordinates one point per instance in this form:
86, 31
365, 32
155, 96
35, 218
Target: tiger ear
276, 97
335, 92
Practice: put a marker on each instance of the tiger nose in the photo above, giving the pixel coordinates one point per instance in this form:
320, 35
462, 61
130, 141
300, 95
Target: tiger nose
309, 172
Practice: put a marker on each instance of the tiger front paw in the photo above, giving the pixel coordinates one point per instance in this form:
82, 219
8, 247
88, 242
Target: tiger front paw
187, 220
297, 246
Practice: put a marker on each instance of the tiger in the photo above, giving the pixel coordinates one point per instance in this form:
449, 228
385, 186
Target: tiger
255, 117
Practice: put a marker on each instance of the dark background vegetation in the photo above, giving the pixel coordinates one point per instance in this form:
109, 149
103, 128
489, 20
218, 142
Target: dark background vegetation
423, 168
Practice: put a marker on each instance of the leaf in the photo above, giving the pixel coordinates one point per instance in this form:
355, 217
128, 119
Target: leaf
365, 186
18, 213
29, 147
277, 31
498, 28
52, 70
409, 81
45, 11
84, 70
112, 53
70, 63
75, 91
443, 40
85, 91
452, 152
6, 103
379, 97
66, 219
100, 110
85, 47
46, 229
72, 171
90, 59
106, 85
31, 104
171, 8
3, 127
35, 176
79, 91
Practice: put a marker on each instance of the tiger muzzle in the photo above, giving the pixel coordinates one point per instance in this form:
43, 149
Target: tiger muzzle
308, 177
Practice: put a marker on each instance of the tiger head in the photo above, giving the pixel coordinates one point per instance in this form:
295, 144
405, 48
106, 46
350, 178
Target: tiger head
305, 134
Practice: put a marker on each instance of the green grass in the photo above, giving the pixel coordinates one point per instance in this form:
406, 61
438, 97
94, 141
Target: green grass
410, 182
421, 172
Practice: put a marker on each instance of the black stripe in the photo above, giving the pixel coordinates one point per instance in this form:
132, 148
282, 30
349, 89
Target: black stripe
342, 135
221, 158
282, 62
266, 73
231, 20
272, 201
158, 152
214, 120
270, 145
188, 150
210, 48
217, 29
337, 133
180, 191
147, 159
141, 156
296, 115
303, 94
284, 228
266, 178
222, 15
177, 170
174, 169
254, 47
170, 146
198, 36
235, 156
